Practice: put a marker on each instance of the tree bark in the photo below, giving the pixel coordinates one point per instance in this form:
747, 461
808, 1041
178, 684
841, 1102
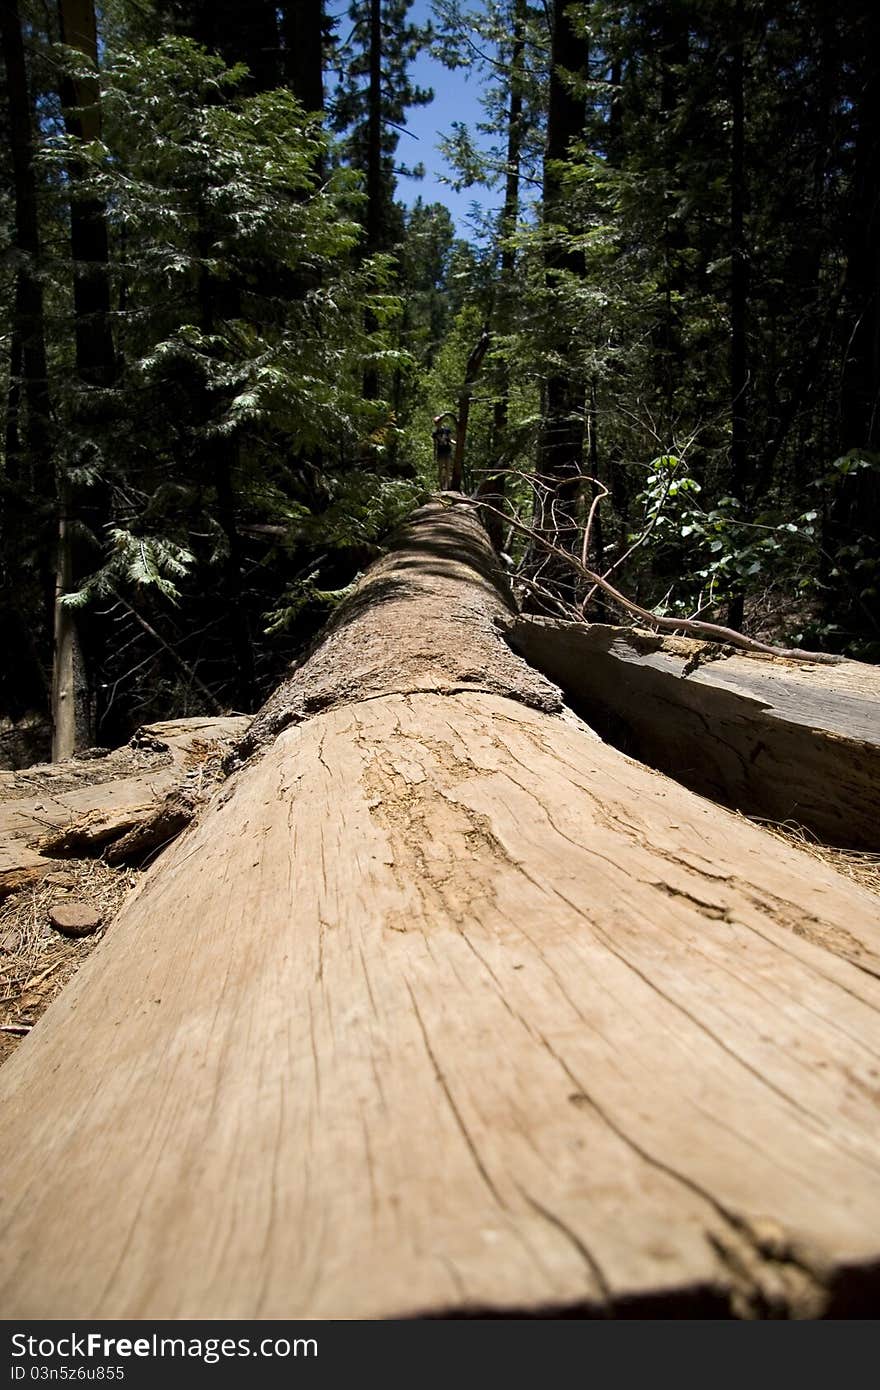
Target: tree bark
28, 317
240, 34
739, 289
303, 32
73, 715
854, 515
447, 1007
95, 357
472, 371
219, 300
37, 475
492, 488
374, 220
561, 447
71, 709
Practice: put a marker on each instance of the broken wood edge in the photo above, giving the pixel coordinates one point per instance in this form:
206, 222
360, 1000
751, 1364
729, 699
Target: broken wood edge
137, 829
749, 748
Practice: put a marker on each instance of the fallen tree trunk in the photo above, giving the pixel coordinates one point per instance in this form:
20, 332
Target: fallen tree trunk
447, 1007
128, 800
767, 735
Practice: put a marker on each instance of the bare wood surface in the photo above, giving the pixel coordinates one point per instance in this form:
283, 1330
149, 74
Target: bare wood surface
769, 735
445, 1006
82, 804
426, 617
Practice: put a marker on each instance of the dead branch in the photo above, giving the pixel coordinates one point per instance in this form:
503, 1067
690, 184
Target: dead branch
710, 632
187, 670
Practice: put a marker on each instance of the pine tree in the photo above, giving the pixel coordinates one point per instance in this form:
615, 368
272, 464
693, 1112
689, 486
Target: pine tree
373, 94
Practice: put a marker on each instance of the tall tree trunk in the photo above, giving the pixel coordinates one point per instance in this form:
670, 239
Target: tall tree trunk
860, 404
12, 449
95, 364
615, 109
224, 459
31, 436
28, 317
595, 557
855, 513
303, 33
71, 704
674, 53
80, 98
375, 219
561, 448
447, 1007
739, 288
220, 456
492, 488
241, 33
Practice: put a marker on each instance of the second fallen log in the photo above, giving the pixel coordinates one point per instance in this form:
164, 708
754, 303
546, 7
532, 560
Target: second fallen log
770, 736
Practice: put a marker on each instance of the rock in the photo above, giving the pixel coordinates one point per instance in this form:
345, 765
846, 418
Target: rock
75, 919
10, 942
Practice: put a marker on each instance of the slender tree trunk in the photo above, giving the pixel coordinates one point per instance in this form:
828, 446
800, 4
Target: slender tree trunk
596, 555
12, 451
32, 435
674, 53
71, 706
472, 371
739, 288
855, 512
561, 448
28, 317
95, 355
860, 405
218, 300
225, 455
241, 31
615, 110
80, 97
492, 487
375, 219
303, 33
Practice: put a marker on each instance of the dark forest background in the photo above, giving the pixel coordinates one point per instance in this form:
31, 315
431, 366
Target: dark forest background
223, 337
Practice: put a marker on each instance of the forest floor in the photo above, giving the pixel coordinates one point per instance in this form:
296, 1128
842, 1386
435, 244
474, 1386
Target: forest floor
36, 959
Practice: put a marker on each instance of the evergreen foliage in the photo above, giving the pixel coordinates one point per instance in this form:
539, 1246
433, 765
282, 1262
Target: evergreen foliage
224, 339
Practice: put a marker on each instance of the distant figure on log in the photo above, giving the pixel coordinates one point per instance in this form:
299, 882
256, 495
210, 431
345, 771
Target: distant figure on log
443, 447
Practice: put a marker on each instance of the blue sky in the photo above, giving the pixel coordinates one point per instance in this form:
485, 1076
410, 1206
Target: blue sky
456, 98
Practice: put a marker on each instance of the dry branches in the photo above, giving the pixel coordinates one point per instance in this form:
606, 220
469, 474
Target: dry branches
545, 538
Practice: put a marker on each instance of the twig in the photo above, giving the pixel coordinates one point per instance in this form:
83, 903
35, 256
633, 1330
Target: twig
565, 609
19, 1028
178, 660
38, 979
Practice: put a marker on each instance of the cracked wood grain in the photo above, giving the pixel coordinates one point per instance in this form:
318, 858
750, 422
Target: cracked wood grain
487, 1043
